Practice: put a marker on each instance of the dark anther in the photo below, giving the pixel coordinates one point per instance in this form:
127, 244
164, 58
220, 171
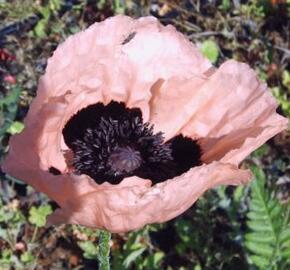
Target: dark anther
185, 152
129, 38
54, 171
111, 142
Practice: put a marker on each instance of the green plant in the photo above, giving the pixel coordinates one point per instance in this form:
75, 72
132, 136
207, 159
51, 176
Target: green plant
15, 127
282, 98
119, 6
6, 259
11, 222
37, 217
268, 239
286, 79
8, 109
18, 9
210, 50
217, 213
138, 252
88, 244
12, 218
90, 249
52, 7
254, 9
27, 257
104, 250
225, 5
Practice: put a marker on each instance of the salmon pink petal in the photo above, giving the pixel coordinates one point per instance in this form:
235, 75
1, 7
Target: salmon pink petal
44, 146
229, 107
236, 114
61, 188
140, 52
125, 209
84, 70
184, 97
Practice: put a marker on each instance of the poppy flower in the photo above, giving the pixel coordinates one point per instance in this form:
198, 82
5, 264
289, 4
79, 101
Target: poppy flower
131, 125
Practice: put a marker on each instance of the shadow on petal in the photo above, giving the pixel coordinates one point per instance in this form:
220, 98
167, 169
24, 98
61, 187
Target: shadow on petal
126, 209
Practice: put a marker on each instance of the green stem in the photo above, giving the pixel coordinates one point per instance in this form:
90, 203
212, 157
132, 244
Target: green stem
10, 240
34, 234
104, 250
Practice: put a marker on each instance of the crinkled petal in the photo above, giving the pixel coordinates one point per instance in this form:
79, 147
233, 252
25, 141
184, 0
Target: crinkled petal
234, 116
125, 209
125, 70
40, 145
173, 103
85, 70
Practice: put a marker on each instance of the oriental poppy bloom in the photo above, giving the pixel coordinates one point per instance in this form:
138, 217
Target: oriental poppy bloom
131, 125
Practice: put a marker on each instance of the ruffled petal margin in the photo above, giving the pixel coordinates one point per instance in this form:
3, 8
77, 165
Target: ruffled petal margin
121, 209
229, 110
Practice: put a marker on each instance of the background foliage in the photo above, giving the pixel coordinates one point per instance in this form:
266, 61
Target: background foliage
228, 228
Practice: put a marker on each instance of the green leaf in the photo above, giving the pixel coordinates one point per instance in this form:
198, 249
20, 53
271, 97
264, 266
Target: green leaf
259, 237
119, 7
45, 12
40, 28
15, 128
285, 235
261, 151
259, 249
238, 193
286, 253
269, 226
154, 261
210, 50
157, 257
55, 5
5, 258
226, 5
90, 249
132, 256
261, 262
257, 216
12, 97
276, 210
286, 78
37, 215
27, 257
260, 226
8, 109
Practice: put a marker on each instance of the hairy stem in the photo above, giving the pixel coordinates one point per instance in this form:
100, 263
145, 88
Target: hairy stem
104, 250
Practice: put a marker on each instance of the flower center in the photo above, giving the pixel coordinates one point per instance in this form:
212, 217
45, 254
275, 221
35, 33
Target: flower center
124, 159
111, 142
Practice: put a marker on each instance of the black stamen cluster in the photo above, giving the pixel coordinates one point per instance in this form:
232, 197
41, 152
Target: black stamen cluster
111, 142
